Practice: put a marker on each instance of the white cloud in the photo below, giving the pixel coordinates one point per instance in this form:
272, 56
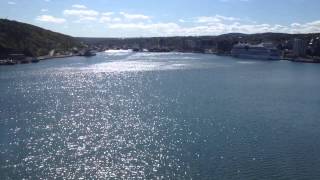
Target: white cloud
216, 28
108, 19
135, 16
161, 29
85, 19
226, 18
51, 19
80, 12
79, 6
44, 10
107, 13
202, 25
12, 3
206, 19
309, 27
214, 19
116, 19
154, 26
105, 19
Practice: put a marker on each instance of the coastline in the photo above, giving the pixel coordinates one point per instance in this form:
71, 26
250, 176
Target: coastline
34, 60
302, 60
43, 58
305, 60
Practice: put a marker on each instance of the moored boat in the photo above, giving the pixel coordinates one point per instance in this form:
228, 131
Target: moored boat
8, 62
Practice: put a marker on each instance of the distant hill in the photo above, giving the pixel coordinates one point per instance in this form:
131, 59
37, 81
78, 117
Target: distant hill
35, 41
32, 40
223, 43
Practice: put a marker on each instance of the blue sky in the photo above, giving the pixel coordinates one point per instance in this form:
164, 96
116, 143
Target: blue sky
141, 18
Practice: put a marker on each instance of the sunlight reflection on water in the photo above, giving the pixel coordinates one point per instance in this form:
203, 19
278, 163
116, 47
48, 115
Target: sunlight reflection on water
124, 115
135, 62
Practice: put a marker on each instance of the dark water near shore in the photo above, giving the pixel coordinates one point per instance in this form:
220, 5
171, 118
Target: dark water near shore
160, 116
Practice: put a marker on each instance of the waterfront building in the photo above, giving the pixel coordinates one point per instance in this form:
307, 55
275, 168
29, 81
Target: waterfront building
190, 44
299, 47
314, 46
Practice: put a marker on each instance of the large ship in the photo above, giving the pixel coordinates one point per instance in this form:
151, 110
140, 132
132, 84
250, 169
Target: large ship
88, 53
265, 51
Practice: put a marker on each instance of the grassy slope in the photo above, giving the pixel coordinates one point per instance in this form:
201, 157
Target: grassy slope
31, 39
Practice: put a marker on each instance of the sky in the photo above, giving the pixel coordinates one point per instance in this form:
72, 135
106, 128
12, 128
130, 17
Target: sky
148, 18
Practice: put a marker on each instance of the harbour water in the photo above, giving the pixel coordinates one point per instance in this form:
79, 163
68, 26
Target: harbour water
125, 115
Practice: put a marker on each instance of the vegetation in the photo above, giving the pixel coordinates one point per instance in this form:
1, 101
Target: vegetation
32, 40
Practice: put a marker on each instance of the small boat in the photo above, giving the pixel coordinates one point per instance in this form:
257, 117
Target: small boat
7, 62
35, 60
11, 62
136, 50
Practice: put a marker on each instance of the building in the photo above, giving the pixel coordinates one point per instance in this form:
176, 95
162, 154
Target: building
190, 44
299, 47
314, 46
14, 54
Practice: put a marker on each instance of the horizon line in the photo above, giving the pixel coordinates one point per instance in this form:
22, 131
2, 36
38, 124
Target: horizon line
173, 36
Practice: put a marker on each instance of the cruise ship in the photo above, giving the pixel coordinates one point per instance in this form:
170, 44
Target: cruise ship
265, 51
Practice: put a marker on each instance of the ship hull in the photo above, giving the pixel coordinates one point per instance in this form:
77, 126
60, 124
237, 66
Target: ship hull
258, 57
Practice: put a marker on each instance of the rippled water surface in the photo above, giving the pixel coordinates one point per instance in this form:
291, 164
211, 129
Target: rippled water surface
159, 116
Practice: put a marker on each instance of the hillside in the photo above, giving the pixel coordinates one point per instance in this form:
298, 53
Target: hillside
222, 43
32, 40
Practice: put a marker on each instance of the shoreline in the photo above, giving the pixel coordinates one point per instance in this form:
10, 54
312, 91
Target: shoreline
9, 62
43, 58
304, 60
